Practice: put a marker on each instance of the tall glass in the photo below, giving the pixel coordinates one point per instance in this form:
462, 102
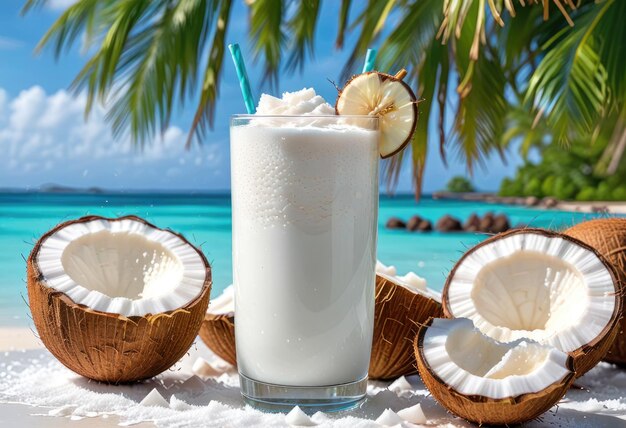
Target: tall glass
305, 208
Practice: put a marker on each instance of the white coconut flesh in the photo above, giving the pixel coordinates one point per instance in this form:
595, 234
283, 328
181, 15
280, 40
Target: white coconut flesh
475, 364
528, 285
411, 281
224, 303
122, 267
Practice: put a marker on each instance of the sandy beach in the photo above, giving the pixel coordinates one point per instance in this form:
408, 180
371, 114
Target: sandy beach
34, 387
16, 340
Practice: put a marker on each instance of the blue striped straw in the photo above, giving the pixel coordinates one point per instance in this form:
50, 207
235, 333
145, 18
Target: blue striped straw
370, 59
244, 83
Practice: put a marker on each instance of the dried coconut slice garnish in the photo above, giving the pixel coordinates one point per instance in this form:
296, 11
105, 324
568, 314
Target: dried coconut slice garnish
389, 98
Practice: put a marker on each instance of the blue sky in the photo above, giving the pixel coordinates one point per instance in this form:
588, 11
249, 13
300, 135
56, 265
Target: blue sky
44, 138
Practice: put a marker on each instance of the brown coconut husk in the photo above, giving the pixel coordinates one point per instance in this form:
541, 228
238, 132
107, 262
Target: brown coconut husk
218, 334
608, 237
398, 314
587, 356
484, 410
109, 347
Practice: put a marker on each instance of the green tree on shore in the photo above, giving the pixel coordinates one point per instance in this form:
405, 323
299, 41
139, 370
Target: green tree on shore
490, 71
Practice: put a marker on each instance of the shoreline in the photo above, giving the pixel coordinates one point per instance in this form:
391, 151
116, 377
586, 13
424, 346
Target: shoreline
548, 203
18, 339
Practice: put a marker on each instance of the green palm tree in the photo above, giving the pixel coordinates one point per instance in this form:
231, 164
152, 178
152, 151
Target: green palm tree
489, 71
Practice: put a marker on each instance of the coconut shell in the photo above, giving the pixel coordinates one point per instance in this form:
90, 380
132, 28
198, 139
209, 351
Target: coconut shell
109, 347
608, 237
218, 334
587, 356
484, 410
398, 314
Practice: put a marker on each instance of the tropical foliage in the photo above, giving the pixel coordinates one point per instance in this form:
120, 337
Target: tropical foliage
460, 184
566, 175
491, 72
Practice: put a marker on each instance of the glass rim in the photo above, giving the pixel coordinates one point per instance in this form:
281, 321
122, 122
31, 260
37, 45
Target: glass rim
307, 116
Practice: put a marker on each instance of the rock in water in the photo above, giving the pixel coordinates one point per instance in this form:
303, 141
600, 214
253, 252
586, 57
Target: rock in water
532, 201
447, 223
550, 202
425, 226
395, 223
500, 224
413, 223
472, 224
486, 223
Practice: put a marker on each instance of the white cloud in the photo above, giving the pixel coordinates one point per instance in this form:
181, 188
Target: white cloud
60, 4
44, 138
9, 43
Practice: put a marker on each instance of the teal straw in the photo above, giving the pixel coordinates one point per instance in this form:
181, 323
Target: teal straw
370, 59
244, 83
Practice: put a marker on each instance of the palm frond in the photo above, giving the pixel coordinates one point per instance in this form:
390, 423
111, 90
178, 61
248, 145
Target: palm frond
411, 37
205, 112
481, 103
302, 27
161, 59
147, 57
569, 85
367, 21
267, 36
344, 12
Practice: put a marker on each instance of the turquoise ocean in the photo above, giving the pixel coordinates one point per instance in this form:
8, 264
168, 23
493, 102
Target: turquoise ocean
205, 219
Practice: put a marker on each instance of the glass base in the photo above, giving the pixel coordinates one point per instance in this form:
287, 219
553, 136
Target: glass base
280, 398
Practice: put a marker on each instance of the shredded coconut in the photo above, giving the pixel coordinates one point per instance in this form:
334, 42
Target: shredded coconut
180, 398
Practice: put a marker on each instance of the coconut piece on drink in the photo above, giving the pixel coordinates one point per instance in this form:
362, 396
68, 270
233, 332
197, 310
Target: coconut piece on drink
538, 285
387, 97
117, 300
489, 382
402, 304
608, 237
218, 328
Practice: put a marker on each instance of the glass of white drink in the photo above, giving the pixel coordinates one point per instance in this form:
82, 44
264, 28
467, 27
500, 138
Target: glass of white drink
305, 204
305, 207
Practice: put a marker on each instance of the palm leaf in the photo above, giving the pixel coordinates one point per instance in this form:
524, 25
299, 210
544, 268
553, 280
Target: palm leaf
205, 112
267, 35
302, 27
569, 84
367, 22
344, 12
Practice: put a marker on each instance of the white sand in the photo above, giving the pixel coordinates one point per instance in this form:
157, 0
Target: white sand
611, 207
35, 378
17, 338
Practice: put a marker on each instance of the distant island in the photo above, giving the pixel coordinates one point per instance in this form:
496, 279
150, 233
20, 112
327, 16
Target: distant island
57, 188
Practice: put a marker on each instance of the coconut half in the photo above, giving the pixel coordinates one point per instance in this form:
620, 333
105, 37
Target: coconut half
117, 300
488, 382
539, 285
608, 236
218, 328
403, 303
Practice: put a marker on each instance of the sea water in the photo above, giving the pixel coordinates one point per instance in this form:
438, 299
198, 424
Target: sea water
205, 219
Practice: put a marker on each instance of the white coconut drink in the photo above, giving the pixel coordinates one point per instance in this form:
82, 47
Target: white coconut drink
117, 300
490, 382
538, 285
402, 304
